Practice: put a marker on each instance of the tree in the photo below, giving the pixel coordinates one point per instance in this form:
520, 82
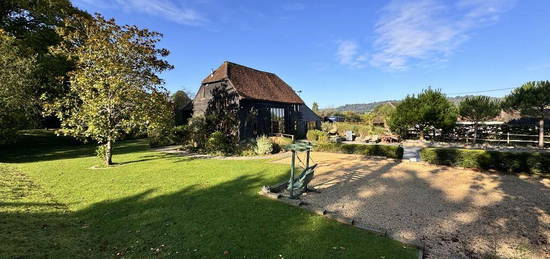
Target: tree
384, 112
429, 110
114, 88
531, 99
315, 108
16, 85
33, 25
477, 109
221, 112
181, 100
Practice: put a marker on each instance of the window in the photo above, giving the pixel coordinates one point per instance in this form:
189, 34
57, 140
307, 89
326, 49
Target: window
311, 125
277, 120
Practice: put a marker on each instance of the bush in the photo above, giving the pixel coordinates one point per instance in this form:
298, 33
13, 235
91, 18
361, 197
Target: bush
389, 151
280, 143
182, 134
198, 133
219, 144
317, 136
328, 127
512, 162
263, 146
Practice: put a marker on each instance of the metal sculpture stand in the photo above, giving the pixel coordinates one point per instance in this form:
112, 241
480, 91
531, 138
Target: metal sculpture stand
296, 186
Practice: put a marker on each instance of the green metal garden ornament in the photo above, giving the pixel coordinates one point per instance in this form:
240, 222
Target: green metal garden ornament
297, 185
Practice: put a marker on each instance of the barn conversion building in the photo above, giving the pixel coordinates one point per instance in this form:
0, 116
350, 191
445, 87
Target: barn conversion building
267, 105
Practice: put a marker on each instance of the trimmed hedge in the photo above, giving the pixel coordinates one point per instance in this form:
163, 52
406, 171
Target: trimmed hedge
512, 162
367, 150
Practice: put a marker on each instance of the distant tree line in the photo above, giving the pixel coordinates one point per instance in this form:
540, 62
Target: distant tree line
431, 111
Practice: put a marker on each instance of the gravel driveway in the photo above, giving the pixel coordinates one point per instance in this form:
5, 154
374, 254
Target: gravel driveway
454, 213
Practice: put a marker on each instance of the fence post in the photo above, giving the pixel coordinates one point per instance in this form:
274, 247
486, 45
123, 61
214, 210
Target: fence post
508, 138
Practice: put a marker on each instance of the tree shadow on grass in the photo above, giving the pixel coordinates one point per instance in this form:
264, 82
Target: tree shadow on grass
197, 221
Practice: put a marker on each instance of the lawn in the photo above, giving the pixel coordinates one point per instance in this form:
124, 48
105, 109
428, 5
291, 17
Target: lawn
152, 204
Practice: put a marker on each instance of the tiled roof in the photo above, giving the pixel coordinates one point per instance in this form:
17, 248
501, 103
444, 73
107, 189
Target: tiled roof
254, 84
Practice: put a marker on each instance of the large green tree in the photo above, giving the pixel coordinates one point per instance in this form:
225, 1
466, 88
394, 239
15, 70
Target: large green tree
429, 110
531, 99
34, 24
114, 88
478, 109
16, 83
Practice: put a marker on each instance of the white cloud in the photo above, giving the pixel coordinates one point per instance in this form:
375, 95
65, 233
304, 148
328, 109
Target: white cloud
348, 54
428, 29
167, 9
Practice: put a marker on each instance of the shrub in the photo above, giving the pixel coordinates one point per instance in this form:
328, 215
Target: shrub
182, 134
198, 133
263, 146
219, 144
512, 162
280, 143
317, 136
389, 151
327, 127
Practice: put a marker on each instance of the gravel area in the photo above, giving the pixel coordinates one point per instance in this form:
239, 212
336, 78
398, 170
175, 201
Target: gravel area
452, 212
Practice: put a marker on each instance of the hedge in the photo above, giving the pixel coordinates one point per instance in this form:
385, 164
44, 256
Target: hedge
512, 162
367, 150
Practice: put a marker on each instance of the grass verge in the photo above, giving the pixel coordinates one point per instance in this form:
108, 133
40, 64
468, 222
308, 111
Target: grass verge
154, 204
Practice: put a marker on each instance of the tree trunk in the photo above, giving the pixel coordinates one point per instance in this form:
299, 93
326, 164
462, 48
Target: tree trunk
421, 135
475, 133
108, 152
541, 132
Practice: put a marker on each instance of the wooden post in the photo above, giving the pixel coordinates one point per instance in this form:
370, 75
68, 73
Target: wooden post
291, 187
508, 138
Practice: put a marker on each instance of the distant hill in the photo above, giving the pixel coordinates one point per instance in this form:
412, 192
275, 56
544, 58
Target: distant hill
368, 107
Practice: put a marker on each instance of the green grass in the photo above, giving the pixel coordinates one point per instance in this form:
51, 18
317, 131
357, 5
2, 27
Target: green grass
151, 204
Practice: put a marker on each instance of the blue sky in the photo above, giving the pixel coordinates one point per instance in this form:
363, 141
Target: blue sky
340, 52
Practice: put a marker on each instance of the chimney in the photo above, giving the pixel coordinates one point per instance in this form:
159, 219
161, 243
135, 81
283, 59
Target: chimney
211, 72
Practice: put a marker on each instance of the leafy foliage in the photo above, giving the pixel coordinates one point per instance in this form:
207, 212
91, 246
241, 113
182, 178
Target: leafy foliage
181, 100
264, 146
317, 136
531, 99
217, 144
315, 107
33, 24
280, 143
513, 162
430, 109
17, 107
478, 109
114, 88
198, 133
221, 115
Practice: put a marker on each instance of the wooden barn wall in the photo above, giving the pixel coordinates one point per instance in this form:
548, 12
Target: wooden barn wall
200, 103
255, 118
